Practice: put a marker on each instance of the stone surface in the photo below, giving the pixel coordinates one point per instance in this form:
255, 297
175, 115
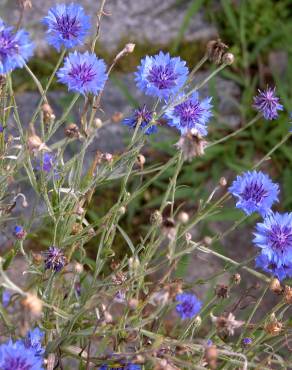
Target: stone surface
154, 21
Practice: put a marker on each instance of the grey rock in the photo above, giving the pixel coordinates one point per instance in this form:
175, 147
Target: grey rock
154, 21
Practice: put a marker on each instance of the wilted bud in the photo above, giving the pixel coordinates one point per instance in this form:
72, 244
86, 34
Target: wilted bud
216, 50
35, 143
32, 304
97, 123
48, 113
141, 160
222, 181
208, 240
183, 217
78, 268
222, 291
228, 58
288, 294
156, 218
117, 117
72, 131
192, 145
275, 286
236, 278
129, 48
122, 210
273, 327
211, 356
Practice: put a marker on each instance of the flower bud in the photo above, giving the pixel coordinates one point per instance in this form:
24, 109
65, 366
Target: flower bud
222, 181
183, 217
117, 117
78, 268
228, 58
98, 123
236, 278
156, 218
273, 327
141, 160
48, 113
275, 286
122, 210
288, 294
72, 131
129, 48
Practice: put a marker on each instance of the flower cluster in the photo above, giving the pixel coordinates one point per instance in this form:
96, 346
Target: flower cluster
26, 354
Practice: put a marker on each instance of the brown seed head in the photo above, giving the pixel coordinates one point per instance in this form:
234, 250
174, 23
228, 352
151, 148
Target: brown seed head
275, 286
48, 113
222, 291
72, 131
288, 294
236, 278
216, 50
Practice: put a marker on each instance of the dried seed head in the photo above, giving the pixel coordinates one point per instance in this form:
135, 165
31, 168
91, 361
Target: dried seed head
72, 131
35, 143
156, 218
33, 305
119, 278
222, 291
183, 217
25, 4
211, 356
273, 327
226, 324
2, 81
48, 113
228, 58
117, 117
215, 51
223, 181
141, 160
236, 278
288, 294
192, 145
275, 286
77, 228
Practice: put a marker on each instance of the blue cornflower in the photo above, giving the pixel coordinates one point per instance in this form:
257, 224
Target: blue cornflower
142, 116
246, 341
47, 163
281, 272
161, 75
68, 25
255, 192
267, 103
16, 356
19, 232
192, 114
188, 305
6, 295
15, 48
83, 73
55, 259
121, 367
274, 237
34, 340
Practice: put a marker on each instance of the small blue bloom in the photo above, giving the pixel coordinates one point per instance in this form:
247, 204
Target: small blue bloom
1, 129
192, 114
68, 25
274, 237
83, 73
121, 367
161, 75
34, 340
55, 259
188, 305
267, 103
255, 192
6, 295
15, 48
246, 341
15, 356
142, 116
19, 232
281, 272
47, 163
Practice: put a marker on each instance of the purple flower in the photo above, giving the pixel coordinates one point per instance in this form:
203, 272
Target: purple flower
274, 237
47, 163
34, 340
68, 25
1, 129
16, 356
188, 305
6, 295
161, 75
281, 272
15, 48
55, 259
246, 341
142, 116
267, 103
83, 73
255, 192
19, 232
192, 114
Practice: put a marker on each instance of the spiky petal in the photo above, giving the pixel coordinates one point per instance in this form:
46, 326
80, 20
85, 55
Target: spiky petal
143, 117
267, 103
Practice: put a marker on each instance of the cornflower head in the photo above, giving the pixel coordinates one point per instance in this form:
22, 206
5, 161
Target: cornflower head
143, 117
83, 73
267, 103
55, 259
255, 192
16, 356
19, 232
188, 305
15, 48
34, 340
47, 163
67, 24
274, 237
161, 75
191, 114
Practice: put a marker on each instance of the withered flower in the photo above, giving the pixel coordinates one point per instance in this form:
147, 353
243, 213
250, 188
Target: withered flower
192, 145
273, 326
222, 291
226, 324
216, 49
288, 294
